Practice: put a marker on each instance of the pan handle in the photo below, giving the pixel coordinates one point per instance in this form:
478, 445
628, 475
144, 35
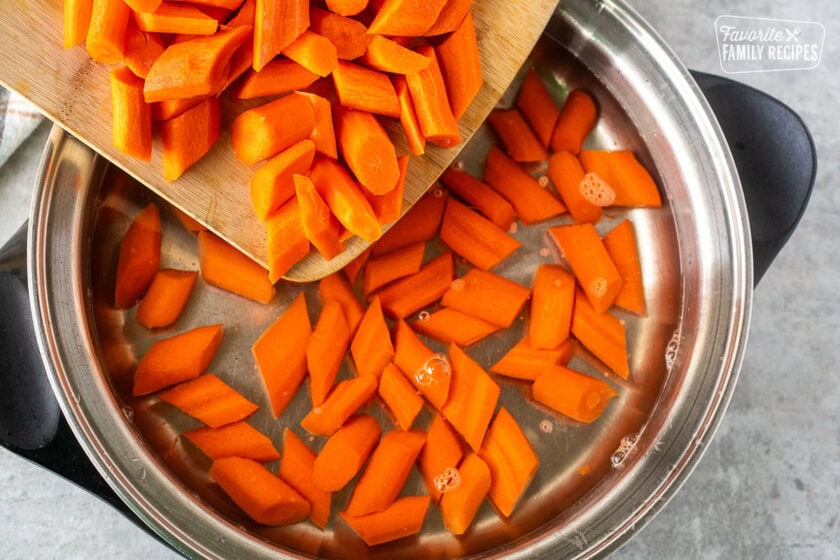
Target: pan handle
775, 156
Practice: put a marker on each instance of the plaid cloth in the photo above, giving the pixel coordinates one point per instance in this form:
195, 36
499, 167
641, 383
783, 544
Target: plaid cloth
18, 118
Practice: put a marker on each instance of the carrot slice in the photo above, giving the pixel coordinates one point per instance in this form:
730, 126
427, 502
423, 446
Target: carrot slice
223, 266
450, 17
76, 21
523, 361
319, 225
166, 297
171, 108
408, 118
460, 64
262, 495
277, 23
296, 470
487, 296
400, 397
345, 452
537, 106
190, 224
132, 116
404, 517
511, 459
427, 371
347, 7
172, 17
364, 89
552, 300
623, 250
272, 185
280, 352
421, 223
276, 78
287, 242
142, 49
335, 287
576, 119
440, 455
345, 198
516, 136
323, 134
631, 182
480, 197
459, 505
348, 35
175, 359
572, 393
143, 5
424, 287
371, 347
406, 18
139, 257
386, 472
264, 131
188, 137
602, 334
392, 266
531, 202
245, 16
367, 150
239, 439
474, 237
588, 258
472, 398
105, 41
386, 55
354, 267
388, 206
325, 350
431, 102
567, 175
453, 327
210, 400
221, 5
314, 52
344, 400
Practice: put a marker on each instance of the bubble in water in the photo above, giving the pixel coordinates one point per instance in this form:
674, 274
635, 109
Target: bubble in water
438, 192
547, 426
424, 315
458, 165
513, 228
457, 285
435, 370
545, 252
624, 447
448, 480
617, 458
598, 286
543, 181
424, 379
128, 412
671, 350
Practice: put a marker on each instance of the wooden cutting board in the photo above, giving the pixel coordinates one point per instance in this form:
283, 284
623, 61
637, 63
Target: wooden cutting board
74, 91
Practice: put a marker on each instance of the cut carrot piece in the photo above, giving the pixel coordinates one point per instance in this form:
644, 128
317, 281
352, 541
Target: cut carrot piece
210, 400
552, 300
280, 352
440, 455
188, 137
472, 398
523, 361
487, 296
404, 517
537, 106
166, 297
511, 459
264, 131
171, 108
516, 136
296, 469
336, 288
132, 116
386, 472
319, 225
354, 267
221, 5
277, 23
139, 257
450, 326
459, 505
76, 21
427, 371
176, 359
314, 52
388, 206
239, 439
400, 396
105, 41
371, 347
367, 150
143, 5
386, 55
345, 452
323, 134
450, 17
342, 402
588, 258
408, 118
347, 7
406, 18
245, 16
142, 49
392, 266
624, 252
272, 184
576, 119
567, 175
287, 242
572, 393
424, 287
532, 202
223, 266
345, 198
173, 17
421, 223
460, 65
262, 495
276, 78
602, 334
480, 197
348, 35
474, 237
431, 103
365, 90
190, 224
631, 182
325, 350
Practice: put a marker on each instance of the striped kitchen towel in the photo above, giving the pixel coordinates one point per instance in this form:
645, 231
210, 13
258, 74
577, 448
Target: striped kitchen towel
18, 118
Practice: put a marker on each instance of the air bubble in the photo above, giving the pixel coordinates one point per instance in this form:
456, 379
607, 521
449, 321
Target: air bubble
424, 315
545, 252
458, 165
513, 228
448, 480
457, 285
128, 412
435, 370
598, 286
547, 426
438, 192
617, 458
624, 447
596, 190
543, 181
671, 350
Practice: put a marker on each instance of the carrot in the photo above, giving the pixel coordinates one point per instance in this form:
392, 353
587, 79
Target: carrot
516, 136
424, 287
174, 17
487, 296
552, 299
314, 52
440, 455
262, 495
602, 334
345, 452
190, 224
474, 237
365, 90
336, 288
143, 5
323, 133
588, 258
537, 106
325, 350
139, 257
277, 23
453, 327
371, 347
421, 223
459, 505
246, 15
427, 371
76, 21
354, 267
319, 225
576, 119
342, 402
367, 150
631, 182
400, 397
223, 266
388, 206
132, 117
472, 398
347, 7
141, 49
348, 35
406, 18
280, 353
278, 77
287, 242
210, 400
408, 118
105, 41
345, 198
480, 197
296, 470
171, 108
531, 202
461, 66
239, 439
272, 185
511, 460
523, 361
404, 517
623, 250
386, 472
166, 297
264, 131
392, 266
431, 103
175, 359
572, 393
567, 175
189, 136
386, 55
450, 17
226, 5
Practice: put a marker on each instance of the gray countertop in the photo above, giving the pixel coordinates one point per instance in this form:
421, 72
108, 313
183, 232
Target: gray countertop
768, 485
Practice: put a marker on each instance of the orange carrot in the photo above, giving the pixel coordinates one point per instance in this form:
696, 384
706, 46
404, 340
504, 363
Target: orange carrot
141, 49
272, 185
404, 517
392, 266
245, 16
139, 257
76, 21
450, 326
421, 223
171, 108
280, 352
347, 7
143, 5
408, 118
450, 17
424, 287
323, 134
537, 106
400, 397
364, 89
345, 198
314, 52
210, 400
386, 472
406, 18
173, 17
576, 119
567, 175
441, 454
105, 41
175, 359
367, 150
588, 258
516, 136
354, 267
264, 131
190, 224
277, 23
319, 225
427, 371
431, 103
631, 182
296, 470
459, 505
223, 266
345, 452
531, 202
278, 77
572, 393
474, 237
487, 296
262, 495
480, 197
348, 35
523, 361
166, 297
325, 350
371, 347
132, 117
623, 250
386, 55
552, 300
342, 402
511, 460
388, 206
239, 439
287, 242
189, 136
602, 334
461, 66
472, 398
336, 288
